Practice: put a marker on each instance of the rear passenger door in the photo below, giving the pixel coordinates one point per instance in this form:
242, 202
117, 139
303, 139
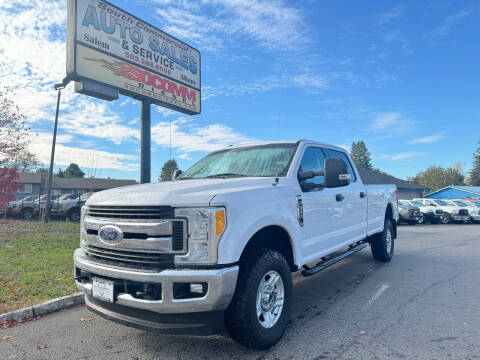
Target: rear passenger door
354, 204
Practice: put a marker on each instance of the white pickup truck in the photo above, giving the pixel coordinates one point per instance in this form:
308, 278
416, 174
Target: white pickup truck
217, 246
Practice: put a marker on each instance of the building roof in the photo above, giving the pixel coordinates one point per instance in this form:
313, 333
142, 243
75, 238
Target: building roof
74, 183
373, 177
89, 183
475, 190
29, 178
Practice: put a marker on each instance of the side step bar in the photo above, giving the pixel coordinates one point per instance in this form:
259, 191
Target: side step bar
322, 265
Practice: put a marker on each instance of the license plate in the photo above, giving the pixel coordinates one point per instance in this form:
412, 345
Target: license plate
102, 289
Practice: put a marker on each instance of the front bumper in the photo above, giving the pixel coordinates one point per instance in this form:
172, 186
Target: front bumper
220, 286
461, 218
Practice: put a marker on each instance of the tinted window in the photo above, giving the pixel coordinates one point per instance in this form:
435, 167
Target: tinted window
313, 160
339, 154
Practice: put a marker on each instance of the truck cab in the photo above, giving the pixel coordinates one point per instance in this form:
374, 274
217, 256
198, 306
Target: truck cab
217, 246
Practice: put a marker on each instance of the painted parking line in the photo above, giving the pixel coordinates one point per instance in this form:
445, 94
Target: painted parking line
375, 296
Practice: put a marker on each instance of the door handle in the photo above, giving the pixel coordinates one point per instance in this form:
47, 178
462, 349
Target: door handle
339, 197
363, 194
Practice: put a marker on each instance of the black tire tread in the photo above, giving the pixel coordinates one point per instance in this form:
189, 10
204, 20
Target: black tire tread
238, 325
379, 251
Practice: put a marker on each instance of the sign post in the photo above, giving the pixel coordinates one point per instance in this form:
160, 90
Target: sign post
145, 142
110, 51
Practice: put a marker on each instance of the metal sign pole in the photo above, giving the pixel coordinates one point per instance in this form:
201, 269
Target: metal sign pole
145, 141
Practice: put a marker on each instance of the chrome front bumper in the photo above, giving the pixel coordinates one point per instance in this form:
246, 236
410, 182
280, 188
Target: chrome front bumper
221, 286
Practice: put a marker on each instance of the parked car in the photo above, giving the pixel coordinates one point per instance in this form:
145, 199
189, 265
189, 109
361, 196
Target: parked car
451, 212
408, 212
475, 214
7, 211
430, 213
473, 211
25, 208
218, 245
66, 206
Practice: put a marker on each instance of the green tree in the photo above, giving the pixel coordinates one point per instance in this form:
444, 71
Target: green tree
167, 170
437, 177
474, 178
361, 156
60, 173
74, 171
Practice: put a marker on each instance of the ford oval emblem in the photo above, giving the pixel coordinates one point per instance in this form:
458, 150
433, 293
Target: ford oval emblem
110, 234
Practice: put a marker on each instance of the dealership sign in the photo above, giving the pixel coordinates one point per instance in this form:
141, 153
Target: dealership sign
110, 46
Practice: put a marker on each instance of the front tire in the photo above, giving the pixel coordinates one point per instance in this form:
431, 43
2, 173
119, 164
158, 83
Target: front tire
260, 309
445, 219
421, 220
383, 243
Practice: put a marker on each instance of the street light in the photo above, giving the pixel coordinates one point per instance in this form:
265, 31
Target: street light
58, 87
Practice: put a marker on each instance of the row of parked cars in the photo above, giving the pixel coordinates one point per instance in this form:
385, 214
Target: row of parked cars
437, 211
66, 207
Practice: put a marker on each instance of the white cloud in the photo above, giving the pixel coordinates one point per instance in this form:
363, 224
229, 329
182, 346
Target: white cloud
388, 16
401, 156
451, 21
428, 139
85, 157
272, 24
391, 122
346, 147
188, 137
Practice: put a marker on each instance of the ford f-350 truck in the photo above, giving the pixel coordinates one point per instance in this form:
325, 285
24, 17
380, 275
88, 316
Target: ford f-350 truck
217, 246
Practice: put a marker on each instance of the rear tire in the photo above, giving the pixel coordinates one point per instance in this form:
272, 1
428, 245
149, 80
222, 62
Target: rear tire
383, 243
255, 296
74, 215
27, 214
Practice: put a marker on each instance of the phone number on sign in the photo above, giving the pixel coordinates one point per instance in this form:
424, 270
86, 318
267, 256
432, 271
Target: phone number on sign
150, 64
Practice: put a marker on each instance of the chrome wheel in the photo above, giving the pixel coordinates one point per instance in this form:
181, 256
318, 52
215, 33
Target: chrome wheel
445, 219
270, 299
421, 220
388, 241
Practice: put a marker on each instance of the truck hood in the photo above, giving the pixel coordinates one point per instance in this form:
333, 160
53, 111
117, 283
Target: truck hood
194, 192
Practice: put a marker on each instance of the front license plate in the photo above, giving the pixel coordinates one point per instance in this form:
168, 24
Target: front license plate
102, 289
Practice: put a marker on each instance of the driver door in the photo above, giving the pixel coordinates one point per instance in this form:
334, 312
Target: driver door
322, 214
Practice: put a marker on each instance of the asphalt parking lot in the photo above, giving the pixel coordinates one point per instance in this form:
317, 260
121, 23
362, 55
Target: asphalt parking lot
422, 305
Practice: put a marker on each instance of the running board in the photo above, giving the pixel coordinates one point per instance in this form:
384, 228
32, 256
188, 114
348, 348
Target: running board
326, 263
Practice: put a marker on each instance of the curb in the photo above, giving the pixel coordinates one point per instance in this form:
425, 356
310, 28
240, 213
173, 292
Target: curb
45, 308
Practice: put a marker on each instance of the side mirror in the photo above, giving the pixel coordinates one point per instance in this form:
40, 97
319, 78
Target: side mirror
176, 174
336, 173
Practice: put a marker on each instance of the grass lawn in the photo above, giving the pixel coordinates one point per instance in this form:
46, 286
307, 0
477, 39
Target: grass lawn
35, 262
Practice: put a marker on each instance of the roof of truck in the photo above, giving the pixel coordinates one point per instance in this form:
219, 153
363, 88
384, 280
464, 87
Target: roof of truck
260, 143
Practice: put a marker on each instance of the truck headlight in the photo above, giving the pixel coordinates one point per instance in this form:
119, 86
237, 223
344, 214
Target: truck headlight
205, 228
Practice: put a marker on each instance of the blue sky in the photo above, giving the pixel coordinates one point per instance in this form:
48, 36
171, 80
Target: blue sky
402, 76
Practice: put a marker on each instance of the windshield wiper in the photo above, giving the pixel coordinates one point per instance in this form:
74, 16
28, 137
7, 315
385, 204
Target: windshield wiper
225, 175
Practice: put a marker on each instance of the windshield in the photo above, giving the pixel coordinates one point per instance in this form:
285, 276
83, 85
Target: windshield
29, 198
441, 203
259, 161
460, 203
417, 203
403, 203
475, 203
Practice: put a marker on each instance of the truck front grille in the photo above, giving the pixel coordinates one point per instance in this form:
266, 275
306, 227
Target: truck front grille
463, 212
439, 212
131, 212
133, 259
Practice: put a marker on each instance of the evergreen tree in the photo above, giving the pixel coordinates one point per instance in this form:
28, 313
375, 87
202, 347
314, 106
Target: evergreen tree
167, 170
74, 171
361, 156
474, 179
